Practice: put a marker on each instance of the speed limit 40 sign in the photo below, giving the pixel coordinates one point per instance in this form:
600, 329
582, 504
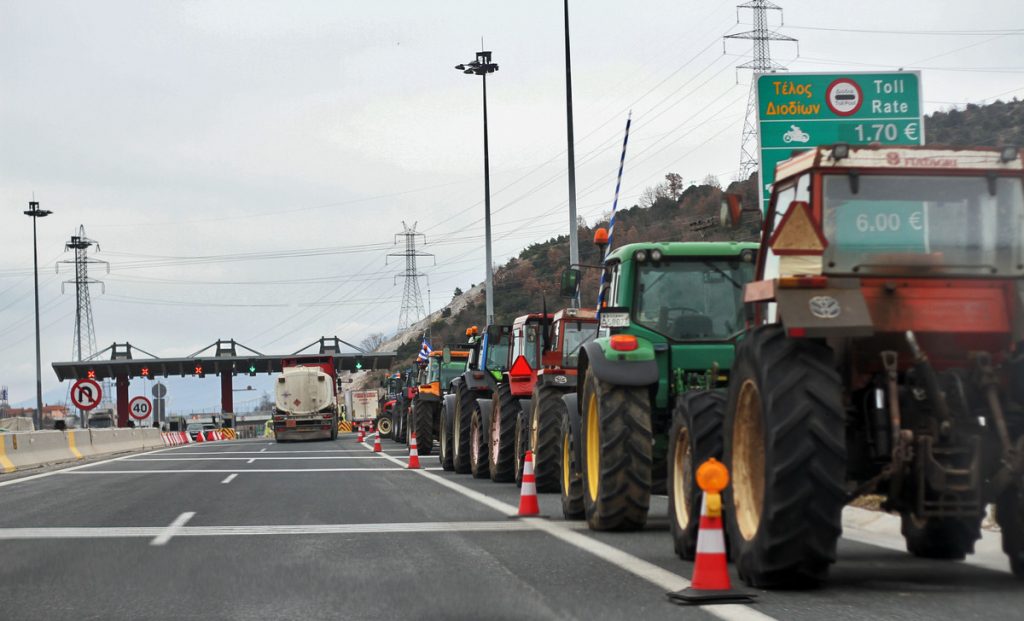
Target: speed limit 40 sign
140, 407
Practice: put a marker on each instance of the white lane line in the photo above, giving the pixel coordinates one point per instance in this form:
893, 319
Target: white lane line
180, 530
637, 566
229, 478
356, 450
250, 461
247, 471
263, 450
43, 475
261, 458
172, 529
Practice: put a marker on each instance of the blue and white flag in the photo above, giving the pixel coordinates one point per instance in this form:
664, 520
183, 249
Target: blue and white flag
425, 350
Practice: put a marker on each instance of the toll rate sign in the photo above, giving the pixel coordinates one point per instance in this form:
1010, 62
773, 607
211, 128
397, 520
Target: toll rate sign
802, 110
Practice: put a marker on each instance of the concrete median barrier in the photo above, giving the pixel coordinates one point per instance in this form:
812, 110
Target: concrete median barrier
149, 437
39, 447
6, 446
107, 441
79, 443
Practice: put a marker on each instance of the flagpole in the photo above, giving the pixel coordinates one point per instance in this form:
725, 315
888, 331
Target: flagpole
611, 221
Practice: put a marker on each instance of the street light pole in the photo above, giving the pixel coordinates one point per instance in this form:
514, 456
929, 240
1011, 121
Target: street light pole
574, 249
481, 67
35, 213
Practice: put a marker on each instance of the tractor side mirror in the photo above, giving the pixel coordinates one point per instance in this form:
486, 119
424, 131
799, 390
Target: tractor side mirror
570, 282
733, 213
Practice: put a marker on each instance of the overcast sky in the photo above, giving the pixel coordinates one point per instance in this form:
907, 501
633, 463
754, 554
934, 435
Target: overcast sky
184, 135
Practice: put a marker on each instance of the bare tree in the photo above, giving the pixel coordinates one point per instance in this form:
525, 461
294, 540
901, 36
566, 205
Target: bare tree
372, 342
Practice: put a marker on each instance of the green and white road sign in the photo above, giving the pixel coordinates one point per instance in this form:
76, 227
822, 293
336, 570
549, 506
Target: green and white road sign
801, 110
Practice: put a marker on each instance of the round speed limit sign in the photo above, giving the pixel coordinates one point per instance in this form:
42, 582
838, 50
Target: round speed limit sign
139, 407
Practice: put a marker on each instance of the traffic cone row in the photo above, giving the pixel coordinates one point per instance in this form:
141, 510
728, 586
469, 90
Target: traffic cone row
414, 453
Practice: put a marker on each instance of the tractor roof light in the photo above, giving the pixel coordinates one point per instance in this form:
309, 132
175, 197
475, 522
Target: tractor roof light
601, 236
623, 342
840, 151
1008, 154
656, 255
641, 255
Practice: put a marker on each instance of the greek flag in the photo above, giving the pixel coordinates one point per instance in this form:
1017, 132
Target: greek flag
424, 350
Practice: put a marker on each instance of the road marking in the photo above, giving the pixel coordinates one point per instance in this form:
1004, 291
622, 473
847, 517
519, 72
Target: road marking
247, 471
358, 450
621, 559
50, 473
178, 529
250, 461
172, 529
263, 450
229, 478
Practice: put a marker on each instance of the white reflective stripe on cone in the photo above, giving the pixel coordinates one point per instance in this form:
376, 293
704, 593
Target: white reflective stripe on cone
710, 541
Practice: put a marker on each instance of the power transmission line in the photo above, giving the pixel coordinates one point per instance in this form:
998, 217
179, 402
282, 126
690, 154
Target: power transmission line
760, 63
412, 301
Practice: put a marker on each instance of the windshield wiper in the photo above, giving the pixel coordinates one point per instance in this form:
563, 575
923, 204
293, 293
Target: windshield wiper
734, 282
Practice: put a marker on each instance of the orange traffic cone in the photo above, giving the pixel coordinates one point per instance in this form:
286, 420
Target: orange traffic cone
528, 506
414, 453
360, 438
376, 443
710, 583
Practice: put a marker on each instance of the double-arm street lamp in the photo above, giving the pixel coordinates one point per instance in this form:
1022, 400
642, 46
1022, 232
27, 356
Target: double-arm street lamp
481, 67
35, 213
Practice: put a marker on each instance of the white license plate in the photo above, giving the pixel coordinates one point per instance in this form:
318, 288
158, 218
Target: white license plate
614, 320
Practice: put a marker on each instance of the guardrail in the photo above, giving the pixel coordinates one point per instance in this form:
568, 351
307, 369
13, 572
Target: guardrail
28, 449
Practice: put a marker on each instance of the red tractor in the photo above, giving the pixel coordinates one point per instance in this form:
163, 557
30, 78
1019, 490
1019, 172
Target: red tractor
883, 356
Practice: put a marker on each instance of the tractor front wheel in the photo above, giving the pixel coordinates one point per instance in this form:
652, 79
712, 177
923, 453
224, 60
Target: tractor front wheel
617, 455
786, 452
502, 435
695, 437
572, 476
545, 436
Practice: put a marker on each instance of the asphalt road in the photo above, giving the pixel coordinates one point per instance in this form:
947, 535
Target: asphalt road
328, 530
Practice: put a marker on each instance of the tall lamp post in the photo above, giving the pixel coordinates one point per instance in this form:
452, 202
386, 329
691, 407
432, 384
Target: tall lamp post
481, 67
35, 213
574, 249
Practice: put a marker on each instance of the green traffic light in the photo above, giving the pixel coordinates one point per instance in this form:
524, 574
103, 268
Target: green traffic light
252, 369
359, 365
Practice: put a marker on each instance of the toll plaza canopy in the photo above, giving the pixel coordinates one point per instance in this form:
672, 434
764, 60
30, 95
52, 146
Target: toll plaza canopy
225, 359
222, 358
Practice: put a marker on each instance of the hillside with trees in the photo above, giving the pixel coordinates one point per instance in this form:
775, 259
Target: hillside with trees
667, 211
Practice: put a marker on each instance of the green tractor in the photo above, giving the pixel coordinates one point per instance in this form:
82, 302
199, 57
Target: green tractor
671, 316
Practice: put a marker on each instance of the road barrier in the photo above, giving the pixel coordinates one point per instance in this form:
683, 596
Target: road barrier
34, 448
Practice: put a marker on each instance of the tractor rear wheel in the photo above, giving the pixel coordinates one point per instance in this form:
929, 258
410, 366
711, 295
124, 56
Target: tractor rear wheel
545, 437
423, 426
479, 465
695, 437
464, 399
617, 454
940, 538
502, 435
572, 477
784, 445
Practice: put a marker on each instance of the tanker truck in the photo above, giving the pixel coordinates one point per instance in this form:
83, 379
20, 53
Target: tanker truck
306, 400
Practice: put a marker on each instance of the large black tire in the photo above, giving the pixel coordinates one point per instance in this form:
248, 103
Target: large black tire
1010, 516
522, 432
695, 437
464, 399
479, 465
784, 435
423, 425
385, 425
572, 477
334, 432
444, 455
502, 435
940, 538
617, 460
398, 432
546, 436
